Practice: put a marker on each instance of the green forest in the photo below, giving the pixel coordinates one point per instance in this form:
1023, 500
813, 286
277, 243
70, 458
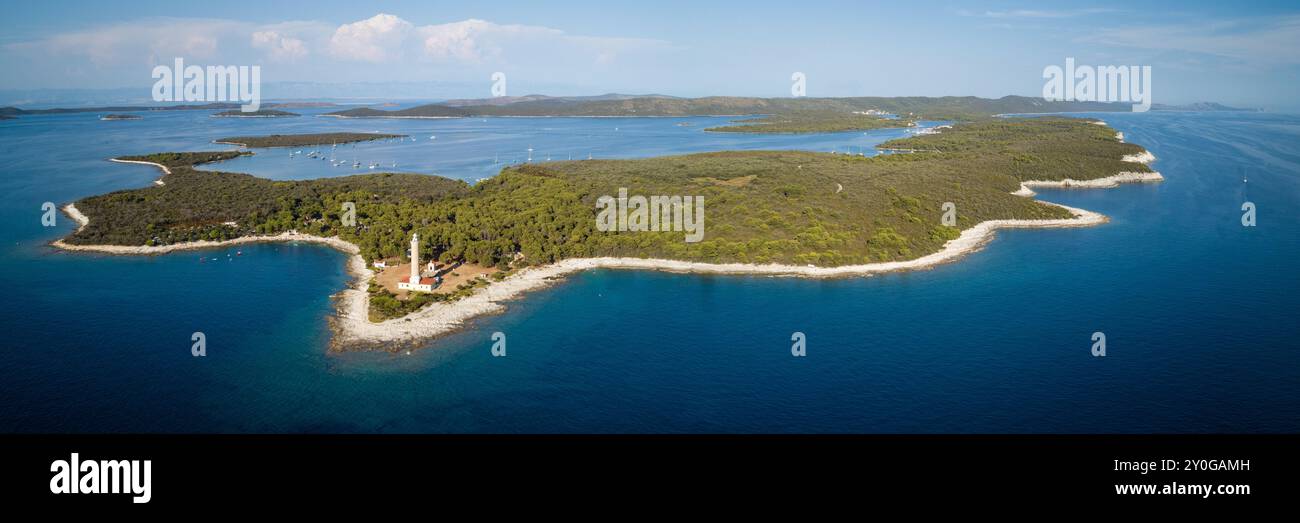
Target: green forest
760, 206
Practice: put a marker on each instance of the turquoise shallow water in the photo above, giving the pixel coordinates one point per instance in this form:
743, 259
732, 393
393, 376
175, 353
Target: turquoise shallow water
1198, 311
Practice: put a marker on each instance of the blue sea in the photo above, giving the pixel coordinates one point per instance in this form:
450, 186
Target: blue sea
1199, 312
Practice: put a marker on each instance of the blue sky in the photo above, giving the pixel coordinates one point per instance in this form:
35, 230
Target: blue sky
1199, 51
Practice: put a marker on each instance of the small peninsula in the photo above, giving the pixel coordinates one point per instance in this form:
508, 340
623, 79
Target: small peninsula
768, 212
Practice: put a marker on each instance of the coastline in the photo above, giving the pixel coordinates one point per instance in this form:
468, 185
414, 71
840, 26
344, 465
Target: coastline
159, 181
76, 216
145, 250
1114, 180
352, 329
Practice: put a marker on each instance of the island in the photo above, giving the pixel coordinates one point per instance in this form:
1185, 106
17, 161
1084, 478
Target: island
815, 122
116, 117
785, 213
804, 109
763, 115
260, 113
298, 140
13, 112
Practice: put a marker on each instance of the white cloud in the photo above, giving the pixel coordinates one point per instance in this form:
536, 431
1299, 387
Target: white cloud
385, 37
382, 47
160, 39
154, 41
279, 47
379, 38
456, 41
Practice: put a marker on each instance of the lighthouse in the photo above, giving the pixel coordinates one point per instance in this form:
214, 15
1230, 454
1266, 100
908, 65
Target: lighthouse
414, 283
415, 259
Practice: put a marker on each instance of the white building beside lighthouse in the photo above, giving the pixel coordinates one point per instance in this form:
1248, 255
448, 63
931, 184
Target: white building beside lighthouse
415, 283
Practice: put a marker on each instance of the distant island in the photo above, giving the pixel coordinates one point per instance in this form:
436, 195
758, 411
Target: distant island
297, 140
1199, 106
780, 115
260, 113
769, 212
815, 122
941, 108
13, 112
112, 117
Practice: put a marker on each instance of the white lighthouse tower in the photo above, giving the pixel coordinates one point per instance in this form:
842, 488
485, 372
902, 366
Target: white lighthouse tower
414, 283
415, 258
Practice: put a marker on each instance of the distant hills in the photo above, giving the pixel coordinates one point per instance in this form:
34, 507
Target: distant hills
507, 100
614, 104
1199, 106
938, 108
7, 113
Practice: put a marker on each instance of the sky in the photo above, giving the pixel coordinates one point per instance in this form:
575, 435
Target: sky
1232, 53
